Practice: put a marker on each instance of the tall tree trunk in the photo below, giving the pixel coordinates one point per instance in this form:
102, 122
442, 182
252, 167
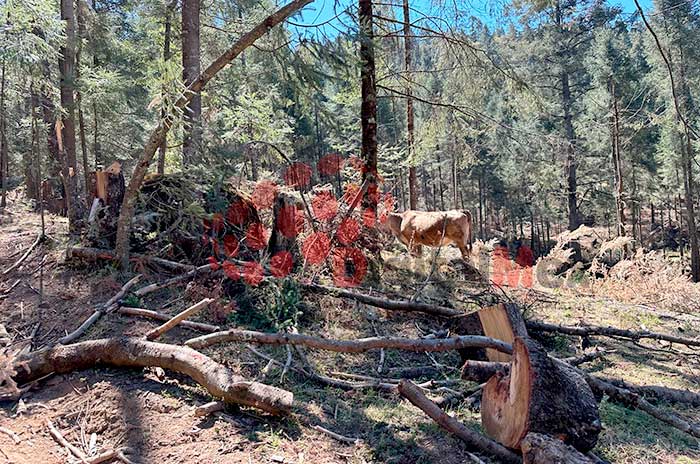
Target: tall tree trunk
78, 97
156, 137
166, 57
440, 186
67, 144
368, 112
566, 102
3, 140
191, 145
617, 163
412, 177
481, 209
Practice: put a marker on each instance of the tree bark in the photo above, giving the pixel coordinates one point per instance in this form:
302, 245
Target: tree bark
169, 9
543, 449
67, 144
569, 134
159, 133
348, 346
410, 137
539, 395
3, 139
219, 381
191, 145
80, 13
368, 111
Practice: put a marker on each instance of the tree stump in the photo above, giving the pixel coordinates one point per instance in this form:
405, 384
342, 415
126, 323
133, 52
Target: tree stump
539, 396
284, 223
502, 322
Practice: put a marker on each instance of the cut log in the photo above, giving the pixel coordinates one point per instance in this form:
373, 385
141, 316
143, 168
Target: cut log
475, 440
539, 395
543, 449
482, 371
502, 322
468, 324
219, 381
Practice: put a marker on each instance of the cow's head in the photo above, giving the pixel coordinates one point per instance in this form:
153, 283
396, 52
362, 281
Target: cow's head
392, 225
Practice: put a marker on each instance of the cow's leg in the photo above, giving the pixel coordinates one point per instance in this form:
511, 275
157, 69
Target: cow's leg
466, 252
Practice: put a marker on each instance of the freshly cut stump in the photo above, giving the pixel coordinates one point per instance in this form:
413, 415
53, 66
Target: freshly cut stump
502, 322
539, 396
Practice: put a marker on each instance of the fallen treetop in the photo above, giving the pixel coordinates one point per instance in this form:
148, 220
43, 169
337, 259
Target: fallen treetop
585, 331
394, 305
349, 346
219, 381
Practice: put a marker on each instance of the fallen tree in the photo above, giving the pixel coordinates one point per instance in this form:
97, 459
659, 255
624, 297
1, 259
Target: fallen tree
348, 346
630, 397
539, 395
218, 380
587, 331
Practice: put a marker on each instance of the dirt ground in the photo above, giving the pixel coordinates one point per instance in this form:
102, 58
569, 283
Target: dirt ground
150, 413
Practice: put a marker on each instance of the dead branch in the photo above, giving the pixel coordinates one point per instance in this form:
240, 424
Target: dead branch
672, 395
11, 434
634, 401
585, 331
209, 408
60, 439
109, 306
218, 380
5, 293
337, 436
475, 440
170, 324
147, 313
309, 372
204, 269
348, 346
18, 263
99, 254
394, 305
586, 357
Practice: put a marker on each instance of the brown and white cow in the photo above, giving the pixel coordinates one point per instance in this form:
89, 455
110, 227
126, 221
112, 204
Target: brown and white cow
432, 228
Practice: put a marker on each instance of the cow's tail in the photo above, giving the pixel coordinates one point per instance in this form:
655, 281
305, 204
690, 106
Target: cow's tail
469, 235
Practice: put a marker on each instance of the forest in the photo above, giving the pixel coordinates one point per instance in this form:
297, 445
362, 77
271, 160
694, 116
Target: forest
316, 231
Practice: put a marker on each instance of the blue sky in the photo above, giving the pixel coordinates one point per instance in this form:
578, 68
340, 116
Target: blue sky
323, 12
